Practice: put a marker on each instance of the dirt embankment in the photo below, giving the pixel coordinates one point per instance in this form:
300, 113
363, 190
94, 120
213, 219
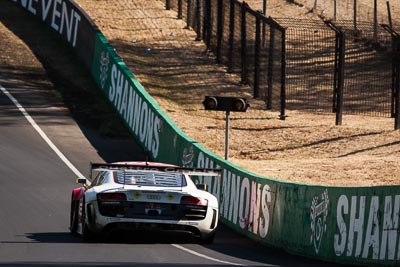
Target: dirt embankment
178, 73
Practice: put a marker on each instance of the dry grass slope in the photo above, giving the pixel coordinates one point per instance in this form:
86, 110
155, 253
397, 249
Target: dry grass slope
177, 72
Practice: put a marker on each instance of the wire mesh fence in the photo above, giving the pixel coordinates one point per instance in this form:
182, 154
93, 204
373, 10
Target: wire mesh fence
241, 38
368, 71
310, 64
383, 12
331, 66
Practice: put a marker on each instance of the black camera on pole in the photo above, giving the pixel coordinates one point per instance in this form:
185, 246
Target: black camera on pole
227, 104
236, 104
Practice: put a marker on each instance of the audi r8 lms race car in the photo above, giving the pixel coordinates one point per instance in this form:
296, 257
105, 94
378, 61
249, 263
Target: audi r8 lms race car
143, 196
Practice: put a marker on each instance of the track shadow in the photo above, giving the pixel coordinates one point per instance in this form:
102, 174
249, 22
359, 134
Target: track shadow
115, 236
73, 86
227, 242
110, 264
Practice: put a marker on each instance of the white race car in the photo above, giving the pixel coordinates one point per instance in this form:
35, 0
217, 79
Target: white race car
144, 195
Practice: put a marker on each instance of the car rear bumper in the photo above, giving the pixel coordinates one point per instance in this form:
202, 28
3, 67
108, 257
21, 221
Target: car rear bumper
98, 223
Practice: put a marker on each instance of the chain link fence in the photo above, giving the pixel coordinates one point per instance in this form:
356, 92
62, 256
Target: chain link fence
368, 70
332, 66
310, 64
250, 44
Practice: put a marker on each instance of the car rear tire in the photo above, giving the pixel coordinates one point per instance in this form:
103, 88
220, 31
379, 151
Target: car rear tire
74, 217
208, 239
87, 234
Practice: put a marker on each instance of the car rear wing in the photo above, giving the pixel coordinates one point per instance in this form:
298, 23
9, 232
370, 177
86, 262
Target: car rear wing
155, 167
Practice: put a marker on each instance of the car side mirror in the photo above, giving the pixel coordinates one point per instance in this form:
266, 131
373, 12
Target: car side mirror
81, 181
202, 186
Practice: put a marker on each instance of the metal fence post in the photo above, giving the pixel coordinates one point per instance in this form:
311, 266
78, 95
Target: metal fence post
198, 22
339, 102
263, 25
282, 115
265, 7
338, 84
389, 14
335, 73
231, 35
396, 67
270, 70
394, 107
208, 24
257, 55
205, 11
244, 44
188, 13
220, 29
180, 3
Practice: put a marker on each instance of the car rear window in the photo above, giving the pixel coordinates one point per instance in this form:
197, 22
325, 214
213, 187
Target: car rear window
147, 178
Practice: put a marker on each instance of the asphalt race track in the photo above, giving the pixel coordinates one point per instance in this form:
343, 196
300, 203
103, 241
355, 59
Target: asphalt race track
35, 188
35, 191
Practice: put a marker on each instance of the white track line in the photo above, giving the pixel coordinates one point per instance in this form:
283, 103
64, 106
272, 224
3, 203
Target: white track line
205, 256
80, 175
41, 133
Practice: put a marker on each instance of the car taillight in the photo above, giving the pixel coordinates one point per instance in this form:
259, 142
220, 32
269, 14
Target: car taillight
195, 201
111, 197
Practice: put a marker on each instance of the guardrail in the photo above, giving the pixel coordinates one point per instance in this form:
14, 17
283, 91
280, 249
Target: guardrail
338, 224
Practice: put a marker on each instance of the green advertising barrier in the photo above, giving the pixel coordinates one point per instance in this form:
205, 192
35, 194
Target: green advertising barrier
68, 21
345, 225
337, 224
